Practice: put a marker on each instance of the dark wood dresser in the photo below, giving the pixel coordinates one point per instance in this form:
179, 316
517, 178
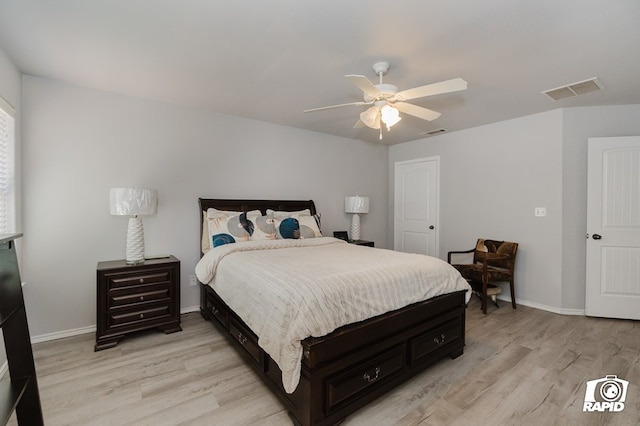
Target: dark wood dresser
136, 297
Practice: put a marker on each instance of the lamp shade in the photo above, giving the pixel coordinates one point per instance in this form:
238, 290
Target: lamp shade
133, 201
356, 204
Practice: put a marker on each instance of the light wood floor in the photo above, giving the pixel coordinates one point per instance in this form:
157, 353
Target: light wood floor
522, 366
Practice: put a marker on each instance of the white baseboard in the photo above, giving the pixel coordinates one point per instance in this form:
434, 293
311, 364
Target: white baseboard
190, 309
555, 310
62, 334
91, 329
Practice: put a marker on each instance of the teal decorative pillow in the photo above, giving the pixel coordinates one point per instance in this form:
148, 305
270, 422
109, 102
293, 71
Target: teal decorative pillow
297, 226
221, 239
218, 227
225, 229
288, 228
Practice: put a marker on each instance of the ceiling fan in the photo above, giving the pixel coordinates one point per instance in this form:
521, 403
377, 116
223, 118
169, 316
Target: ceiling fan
387, 103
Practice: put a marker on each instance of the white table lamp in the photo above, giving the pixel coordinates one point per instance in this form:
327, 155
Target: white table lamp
356, 205
134, 202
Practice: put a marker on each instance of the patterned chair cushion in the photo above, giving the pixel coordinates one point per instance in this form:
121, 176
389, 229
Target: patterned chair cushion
484, 249
473, 272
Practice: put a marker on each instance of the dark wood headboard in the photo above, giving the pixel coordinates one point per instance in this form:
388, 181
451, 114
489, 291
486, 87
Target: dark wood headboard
247, 205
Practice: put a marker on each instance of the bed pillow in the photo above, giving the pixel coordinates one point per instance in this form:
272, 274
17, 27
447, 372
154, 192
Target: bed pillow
287, 228
282, 214
297, 226
228, 229
213, 212
205, 246
263, 228
277, 214
206, 237
309, 226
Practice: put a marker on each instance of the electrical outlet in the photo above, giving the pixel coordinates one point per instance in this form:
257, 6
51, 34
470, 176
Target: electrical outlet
540, 211
192, 280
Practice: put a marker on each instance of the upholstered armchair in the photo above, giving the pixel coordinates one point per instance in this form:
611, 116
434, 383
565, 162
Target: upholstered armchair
493, 263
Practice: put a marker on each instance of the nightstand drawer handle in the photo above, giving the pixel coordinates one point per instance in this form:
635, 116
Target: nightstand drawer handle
141, 315
214, 310
141, 298
141, 280
369, 379
439, 341
242, 339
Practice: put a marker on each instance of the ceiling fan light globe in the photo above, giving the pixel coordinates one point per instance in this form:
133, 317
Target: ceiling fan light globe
390, 116
370, 117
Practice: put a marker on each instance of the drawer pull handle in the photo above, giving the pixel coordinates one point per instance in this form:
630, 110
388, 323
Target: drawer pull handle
141, 298
141, 315
370, 379
214, 310
242, 339
439, 341
141, 280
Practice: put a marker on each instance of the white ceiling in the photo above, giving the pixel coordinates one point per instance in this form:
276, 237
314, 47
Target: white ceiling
270, 60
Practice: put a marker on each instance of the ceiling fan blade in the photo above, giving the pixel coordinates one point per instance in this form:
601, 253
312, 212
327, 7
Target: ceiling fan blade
371, 117
447, 86
417, 111
338, 106
364, 84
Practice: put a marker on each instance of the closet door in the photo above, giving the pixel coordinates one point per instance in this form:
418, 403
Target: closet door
613, 228
416, 206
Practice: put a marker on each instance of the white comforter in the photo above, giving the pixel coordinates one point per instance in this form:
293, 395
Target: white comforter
288, 290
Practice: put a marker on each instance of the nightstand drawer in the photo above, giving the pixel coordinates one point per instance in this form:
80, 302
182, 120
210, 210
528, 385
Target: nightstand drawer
147, 277
120, 317
139, 294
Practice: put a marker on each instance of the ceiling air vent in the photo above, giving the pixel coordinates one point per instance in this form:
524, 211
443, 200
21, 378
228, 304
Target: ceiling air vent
432, 132
574, 89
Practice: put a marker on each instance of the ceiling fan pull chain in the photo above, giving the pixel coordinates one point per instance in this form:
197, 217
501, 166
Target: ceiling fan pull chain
380, 132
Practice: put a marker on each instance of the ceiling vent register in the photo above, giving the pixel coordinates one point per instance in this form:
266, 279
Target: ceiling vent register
574, 89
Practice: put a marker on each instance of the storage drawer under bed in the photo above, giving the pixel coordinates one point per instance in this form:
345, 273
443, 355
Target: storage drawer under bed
363, 377
425, 344
248, 341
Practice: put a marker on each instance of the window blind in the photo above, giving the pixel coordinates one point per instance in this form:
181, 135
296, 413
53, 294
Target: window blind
7, 173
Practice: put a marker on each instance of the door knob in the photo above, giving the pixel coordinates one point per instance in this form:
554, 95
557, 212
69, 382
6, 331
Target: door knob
432, 227
596, 236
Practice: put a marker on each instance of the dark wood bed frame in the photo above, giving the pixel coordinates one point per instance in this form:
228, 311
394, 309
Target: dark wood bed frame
344, 370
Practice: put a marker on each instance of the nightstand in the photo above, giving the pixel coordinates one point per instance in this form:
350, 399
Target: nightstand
136, 297
362, 243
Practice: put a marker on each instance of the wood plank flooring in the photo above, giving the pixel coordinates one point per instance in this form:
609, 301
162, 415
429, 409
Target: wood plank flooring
522, 366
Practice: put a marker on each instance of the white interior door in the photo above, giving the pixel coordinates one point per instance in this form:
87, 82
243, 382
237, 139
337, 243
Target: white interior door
613, 227
416, 206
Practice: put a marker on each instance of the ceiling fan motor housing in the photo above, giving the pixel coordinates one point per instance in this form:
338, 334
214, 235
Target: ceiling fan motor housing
386, 91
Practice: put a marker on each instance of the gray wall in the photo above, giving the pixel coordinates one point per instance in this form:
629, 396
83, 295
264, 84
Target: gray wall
492, 178
579, 125
78, 143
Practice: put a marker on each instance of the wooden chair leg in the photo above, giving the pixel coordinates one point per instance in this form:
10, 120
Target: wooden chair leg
484, 296
513, 294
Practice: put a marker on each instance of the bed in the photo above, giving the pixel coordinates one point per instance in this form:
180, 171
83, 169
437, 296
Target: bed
341, 371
